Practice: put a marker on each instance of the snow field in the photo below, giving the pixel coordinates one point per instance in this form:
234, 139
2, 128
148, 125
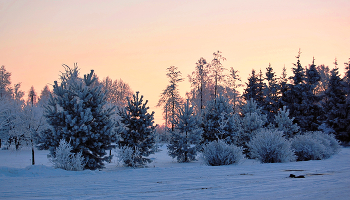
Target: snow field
167, 179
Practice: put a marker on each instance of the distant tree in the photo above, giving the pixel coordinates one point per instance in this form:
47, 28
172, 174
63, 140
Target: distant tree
270, 102
233, 84
44, 96
76, 113
139, 132
184, 142
200, 84
116, 91
335, 107
251, 92
32, 96
5, 82
170, 98
325, 75
217, 70
283, 88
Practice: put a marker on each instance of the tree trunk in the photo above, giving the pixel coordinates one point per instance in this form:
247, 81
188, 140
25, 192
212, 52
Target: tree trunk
33, 160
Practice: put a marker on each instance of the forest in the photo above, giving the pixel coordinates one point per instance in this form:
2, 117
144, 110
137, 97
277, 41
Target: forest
275, 119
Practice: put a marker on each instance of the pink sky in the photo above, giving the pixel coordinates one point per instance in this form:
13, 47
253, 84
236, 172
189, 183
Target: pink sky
137, 40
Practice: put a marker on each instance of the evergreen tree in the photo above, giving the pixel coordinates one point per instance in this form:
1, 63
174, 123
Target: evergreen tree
335, 106
185, 139
251, 92
44, 96
32, 96
170, 98
285, 124
283, 88
218, 120
270, 103
252, 120
139, 131
76, 114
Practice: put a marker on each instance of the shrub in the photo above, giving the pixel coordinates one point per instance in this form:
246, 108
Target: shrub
67, 160
315, 146
269, 146
130, 156
218, 153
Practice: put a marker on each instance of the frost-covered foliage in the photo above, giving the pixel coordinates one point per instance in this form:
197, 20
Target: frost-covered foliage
184, 141
76, 112
139, 130
217, 120
130, 156
220, 153
269, 146
252, 121
314, 146
65, 159
285, 124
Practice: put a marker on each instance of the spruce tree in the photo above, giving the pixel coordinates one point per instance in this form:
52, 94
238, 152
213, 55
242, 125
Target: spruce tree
251, 92
184, 142
270, 103
139, 130
335, 106
285, 124
76, 114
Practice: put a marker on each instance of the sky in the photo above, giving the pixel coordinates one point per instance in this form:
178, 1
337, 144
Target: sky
137, 40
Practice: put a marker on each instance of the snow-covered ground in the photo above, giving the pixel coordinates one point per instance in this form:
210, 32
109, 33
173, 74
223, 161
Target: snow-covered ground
166, 179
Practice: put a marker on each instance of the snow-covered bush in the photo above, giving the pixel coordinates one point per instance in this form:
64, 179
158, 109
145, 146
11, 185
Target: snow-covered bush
285, 124
269, 146
65, 159
129, 156
220, 153
314, 146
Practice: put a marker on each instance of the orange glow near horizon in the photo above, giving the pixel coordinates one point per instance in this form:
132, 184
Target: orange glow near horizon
137, 40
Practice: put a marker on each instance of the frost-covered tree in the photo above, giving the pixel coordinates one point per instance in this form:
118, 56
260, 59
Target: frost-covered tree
5, 82
76, 113
184, 142
233, 84
285, 124
116, 91
44, 96
139, 130
170, 98
252, 120
217, 70
217, 120
201, 86
65, 159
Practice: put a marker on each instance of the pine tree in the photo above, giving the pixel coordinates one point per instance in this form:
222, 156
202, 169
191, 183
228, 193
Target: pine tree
32, 96
170, 98
76, 113
218, 120
185, 138
139, 131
